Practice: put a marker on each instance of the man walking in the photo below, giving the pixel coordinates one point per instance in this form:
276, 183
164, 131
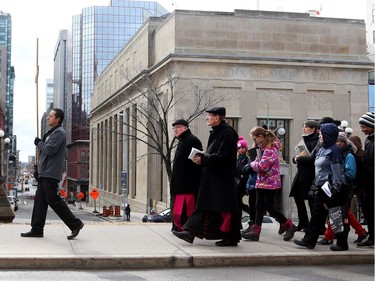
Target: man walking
51, 166
186, 175
366, 123
127, 212
217, 214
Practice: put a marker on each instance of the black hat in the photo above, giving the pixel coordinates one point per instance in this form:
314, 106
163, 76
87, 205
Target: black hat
181, 122
217, 110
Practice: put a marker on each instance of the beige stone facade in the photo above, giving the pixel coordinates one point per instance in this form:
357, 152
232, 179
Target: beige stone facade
285, 67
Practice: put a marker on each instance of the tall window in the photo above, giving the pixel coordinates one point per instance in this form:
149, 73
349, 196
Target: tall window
233, 122
274, 125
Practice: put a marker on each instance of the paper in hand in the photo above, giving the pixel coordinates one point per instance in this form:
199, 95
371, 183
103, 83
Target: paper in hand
193, 152
327, 188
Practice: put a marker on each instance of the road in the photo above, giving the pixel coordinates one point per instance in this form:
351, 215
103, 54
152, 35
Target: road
23, 215
268, 273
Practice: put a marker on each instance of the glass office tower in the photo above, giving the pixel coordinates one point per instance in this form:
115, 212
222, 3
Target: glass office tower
98, 34
7, 74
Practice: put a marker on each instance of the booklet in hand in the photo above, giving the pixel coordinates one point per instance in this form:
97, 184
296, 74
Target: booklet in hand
327, 188
193, 152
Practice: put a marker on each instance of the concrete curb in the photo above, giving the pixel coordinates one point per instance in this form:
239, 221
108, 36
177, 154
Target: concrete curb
183, 261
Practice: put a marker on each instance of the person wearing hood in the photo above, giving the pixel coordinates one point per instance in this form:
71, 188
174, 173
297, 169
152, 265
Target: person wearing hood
268, 181
351, 171
304, 177
329, 166
217, 214
186, 175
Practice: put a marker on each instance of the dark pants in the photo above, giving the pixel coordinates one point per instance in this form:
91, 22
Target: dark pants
46, 195
370, 211
318, 219
303, 219
265, 202
252, 203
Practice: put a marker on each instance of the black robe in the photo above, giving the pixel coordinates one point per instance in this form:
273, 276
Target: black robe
217, 192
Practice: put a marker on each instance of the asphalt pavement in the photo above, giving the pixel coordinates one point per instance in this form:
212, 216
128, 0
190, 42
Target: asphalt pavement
117, 244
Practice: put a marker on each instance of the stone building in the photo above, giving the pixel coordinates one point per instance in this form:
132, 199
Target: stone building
272, 68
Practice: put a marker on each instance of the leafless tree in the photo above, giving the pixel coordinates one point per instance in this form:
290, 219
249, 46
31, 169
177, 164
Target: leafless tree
157, 99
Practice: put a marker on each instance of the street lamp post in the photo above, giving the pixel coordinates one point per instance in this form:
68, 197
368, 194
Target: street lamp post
6, 212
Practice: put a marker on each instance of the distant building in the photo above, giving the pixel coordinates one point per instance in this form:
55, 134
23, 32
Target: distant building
370, 26
60, 85
7, 74
49, 93
96, 37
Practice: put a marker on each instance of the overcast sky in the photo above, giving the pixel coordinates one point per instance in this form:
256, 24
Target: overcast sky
44, 19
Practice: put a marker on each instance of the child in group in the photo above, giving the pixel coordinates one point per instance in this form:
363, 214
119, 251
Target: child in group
268, 181
242, 174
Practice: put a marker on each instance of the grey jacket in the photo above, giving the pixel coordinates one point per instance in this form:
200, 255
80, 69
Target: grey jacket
52, 153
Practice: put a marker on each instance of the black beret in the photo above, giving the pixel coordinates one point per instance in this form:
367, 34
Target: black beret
181, 122
217, 110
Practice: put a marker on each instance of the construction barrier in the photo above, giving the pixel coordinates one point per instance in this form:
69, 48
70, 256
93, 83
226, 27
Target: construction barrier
117, 211
105, 211
111, 211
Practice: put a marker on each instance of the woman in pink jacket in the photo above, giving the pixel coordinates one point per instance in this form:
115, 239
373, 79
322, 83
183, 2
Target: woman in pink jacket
267, 166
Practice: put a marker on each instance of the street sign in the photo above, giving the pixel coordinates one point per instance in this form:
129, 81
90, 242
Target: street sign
62, 193
94, 194
123, 179
80, 195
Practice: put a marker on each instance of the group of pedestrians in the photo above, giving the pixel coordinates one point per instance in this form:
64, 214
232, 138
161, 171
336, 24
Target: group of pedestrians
226, 173
337, 165
220, 177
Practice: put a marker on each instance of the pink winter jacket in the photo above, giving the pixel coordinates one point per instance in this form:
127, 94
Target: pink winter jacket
268, 168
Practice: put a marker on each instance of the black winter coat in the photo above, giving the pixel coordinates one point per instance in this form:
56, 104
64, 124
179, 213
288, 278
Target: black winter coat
186, 174
305, 169
217, 191
369, 162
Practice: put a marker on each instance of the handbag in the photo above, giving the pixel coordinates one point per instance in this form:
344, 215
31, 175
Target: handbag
337, 218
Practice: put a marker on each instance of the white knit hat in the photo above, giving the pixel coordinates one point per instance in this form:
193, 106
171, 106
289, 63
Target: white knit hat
367, 119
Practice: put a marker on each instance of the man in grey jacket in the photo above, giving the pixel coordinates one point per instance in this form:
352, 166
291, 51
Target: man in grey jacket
51, 165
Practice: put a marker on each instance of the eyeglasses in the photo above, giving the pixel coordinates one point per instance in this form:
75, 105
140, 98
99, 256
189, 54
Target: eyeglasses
178, 127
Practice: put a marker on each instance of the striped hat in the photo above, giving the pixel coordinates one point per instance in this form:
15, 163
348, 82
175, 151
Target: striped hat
367, 119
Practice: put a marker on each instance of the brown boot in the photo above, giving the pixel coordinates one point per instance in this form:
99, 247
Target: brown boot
290, 228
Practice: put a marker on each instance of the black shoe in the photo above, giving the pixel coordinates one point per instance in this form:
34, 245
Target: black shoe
302, 243
301, 227
75, 232
32, 234
367, 243
184, 235
361, 238
226, 243
324, 241
337, 248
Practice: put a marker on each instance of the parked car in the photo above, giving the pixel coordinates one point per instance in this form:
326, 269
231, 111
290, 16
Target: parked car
163, 216
13, 203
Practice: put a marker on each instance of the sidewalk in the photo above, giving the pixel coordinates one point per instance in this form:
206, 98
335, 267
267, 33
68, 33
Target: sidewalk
116, 244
